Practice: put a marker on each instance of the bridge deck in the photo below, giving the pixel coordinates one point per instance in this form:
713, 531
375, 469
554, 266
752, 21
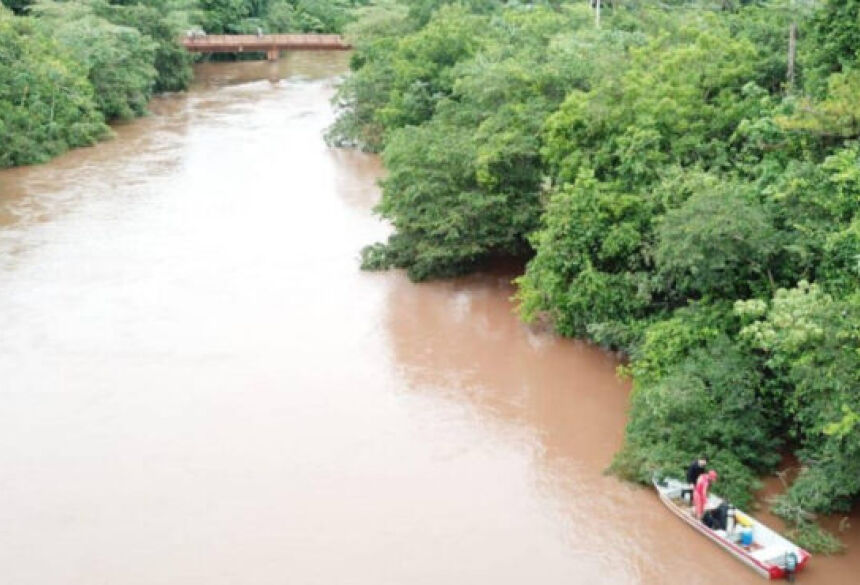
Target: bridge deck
262, 43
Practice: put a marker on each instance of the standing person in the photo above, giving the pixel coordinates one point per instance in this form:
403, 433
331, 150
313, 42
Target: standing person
697, 468
700, 493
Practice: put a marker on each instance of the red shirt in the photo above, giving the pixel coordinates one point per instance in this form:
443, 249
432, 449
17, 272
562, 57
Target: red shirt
702, 485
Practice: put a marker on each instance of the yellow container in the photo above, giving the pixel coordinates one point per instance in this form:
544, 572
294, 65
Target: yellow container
743, 519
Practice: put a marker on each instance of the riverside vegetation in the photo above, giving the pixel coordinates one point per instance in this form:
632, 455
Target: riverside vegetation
68, 68
680, 191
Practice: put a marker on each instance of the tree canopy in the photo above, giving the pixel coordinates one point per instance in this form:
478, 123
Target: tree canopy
47, 104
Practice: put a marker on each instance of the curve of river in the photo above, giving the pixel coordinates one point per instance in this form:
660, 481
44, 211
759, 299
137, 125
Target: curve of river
198, 385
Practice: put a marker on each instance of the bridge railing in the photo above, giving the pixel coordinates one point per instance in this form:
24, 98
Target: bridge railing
205, 43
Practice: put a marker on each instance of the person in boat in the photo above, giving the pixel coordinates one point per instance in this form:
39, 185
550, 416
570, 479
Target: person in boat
717, 518
700, 492
696, 468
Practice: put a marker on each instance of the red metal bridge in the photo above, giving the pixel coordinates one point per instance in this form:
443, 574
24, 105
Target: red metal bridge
271, 45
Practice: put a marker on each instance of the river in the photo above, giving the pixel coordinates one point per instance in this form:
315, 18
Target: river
199, 386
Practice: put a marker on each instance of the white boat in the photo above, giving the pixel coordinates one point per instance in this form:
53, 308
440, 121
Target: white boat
768, 553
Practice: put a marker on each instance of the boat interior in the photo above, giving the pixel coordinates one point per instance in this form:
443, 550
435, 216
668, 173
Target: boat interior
742, 530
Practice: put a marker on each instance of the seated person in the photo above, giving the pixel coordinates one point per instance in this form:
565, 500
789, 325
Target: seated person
717, 518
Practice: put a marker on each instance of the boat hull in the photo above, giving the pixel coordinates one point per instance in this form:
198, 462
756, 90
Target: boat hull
765, 569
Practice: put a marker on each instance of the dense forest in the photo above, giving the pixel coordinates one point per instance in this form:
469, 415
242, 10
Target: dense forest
683, 178
68, 68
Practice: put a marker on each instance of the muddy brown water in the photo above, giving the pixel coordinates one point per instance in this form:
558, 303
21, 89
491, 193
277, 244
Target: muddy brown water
198, 385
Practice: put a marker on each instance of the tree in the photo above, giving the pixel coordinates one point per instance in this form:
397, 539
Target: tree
120, 60
399, 80
836, 116
46, 103
172, 62
840, 268
223, 16
719, 243
833, 43
654, 112
445, 222
588, 268
810, 341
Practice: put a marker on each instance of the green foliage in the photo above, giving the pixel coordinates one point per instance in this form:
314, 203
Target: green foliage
803, 530
46, 102
323, 15
766, 26
172, 62
840, 269
223, 16
446, 215
422, 64
588, 269
835, 116
119, 58
696, 392
830, 108
274, 16
460, 122
399, 80
707, 403
281, 17
659, 113
432, 195
812, 349
843, 427
375, 36
17, 6
815, 539
421, 11
803, 328
718, 243
669, 341
833, 42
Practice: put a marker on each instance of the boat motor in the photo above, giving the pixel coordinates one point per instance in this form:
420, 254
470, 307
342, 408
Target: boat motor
790, 566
